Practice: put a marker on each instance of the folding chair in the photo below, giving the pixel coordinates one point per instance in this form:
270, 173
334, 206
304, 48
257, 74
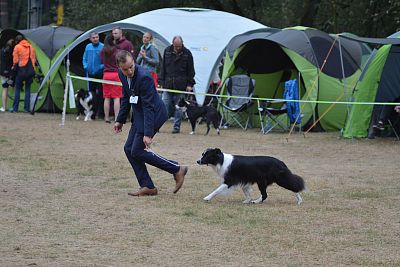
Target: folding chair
236, 109
271, 118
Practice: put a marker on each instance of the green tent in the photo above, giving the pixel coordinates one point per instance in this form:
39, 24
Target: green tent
379, 82
48, 42
327, 67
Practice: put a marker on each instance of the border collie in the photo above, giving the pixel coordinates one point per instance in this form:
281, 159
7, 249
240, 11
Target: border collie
244, 171
83, 101
194, 112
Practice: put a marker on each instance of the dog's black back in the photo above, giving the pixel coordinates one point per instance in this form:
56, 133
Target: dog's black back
194, 112
263, 170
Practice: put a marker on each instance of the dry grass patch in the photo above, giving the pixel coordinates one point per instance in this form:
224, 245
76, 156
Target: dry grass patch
63, 200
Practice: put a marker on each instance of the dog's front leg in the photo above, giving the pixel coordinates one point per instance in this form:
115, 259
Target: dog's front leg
219, 190
246, 191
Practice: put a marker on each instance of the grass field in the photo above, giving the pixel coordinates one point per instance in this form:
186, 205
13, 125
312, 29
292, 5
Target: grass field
64, 201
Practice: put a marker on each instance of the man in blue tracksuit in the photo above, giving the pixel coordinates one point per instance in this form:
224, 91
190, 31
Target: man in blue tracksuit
94, 69
149, 114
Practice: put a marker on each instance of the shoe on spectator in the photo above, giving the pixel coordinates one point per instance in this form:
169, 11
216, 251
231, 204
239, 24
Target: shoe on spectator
2, 109
175, 131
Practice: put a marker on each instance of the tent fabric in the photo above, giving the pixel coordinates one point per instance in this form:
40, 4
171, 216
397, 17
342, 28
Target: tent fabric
379, 82
51, 38
205, 33
312, 44
377, 41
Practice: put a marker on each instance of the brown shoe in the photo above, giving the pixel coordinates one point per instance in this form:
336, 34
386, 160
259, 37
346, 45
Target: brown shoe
144, 191
180, 177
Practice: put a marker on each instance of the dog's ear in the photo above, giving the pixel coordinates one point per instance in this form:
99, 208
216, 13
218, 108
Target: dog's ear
218, 150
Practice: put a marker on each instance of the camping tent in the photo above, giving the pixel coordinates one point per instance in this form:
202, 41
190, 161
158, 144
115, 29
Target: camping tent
48, 42
379, 82
205, 32
328, 66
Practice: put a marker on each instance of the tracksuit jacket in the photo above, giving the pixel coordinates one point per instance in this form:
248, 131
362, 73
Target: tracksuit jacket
91, 59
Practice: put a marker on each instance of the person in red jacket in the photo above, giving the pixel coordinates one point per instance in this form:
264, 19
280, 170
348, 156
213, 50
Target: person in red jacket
22, 52
121, 43
110, 91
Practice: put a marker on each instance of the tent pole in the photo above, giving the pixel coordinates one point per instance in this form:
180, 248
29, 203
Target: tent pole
65, 93
344, 79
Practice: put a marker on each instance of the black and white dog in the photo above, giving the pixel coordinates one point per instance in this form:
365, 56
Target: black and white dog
244, 171
83, 100
194, 112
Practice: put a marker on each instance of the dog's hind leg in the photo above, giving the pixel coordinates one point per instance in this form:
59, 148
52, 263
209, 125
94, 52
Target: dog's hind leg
263, 190
216, 124
246, 190
193, 124
208, 127
222, 188
299, 198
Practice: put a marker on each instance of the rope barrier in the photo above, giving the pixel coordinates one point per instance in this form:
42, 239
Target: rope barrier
251, 98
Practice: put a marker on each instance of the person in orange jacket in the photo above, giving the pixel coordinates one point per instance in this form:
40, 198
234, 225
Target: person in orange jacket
22, 52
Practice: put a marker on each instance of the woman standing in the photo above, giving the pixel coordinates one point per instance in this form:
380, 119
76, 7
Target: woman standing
110, 91
6, 74
148, 56
23, 52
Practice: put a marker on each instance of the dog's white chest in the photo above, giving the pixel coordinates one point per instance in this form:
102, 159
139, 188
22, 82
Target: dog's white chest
222, 169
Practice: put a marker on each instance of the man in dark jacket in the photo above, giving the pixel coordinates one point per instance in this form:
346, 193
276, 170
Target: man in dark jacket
177, 72
149, 114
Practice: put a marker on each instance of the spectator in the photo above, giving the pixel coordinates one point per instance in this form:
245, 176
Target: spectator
149, 114
120, 41
23, 51
148, 56
110, 91
94, 69
177, 72
6, 74
384, 114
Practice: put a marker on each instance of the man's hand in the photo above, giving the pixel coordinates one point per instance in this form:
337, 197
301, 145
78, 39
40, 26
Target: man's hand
118, 127
189, 88
147, 140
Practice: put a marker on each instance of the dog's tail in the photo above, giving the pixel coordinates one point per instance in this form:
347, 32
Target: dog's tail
291, 181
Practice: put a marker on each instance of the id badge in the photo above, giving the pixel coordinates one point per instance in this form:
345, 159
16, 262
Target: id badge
133, 99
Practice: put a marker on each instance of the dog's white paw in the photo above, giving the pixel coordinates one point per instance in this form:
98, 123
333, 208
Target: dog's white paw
77, 118
247, 201
207, 199
299, 199
191, 133
257, 201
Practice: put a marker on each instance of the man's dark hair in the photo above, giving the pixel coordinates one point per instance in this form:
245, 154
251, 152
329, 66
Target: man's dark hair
121, 56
